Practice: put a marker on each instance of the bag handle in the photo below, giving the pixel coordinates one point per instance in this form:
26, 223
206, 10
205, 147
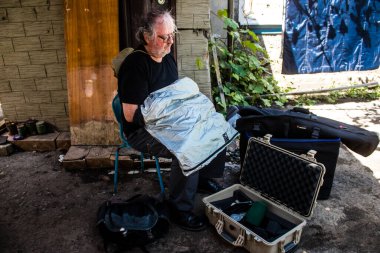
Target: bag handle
301, 110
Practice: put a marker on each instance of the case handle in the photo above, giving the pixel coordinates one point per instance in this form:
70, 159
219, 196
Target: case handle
238, 242
291, 246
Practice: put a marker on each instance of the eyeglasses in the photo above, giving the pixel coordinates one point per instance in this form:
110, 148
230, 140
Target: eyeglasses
165, 37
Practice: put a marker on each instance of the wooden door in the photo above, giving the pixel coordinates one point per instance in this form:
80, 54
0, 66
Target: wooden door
92, 40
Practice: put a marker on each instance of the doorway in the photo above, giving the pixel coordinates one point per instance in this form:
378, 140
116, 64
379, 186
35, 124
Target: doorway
131, 13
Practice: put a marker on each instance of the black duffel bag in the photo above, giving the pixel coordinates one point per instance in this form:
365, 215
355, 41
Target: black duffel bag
299, 131
300, 123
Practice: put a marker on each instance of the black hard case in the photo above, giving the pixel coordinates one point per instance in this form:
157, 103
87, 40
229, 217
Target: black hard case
286, 182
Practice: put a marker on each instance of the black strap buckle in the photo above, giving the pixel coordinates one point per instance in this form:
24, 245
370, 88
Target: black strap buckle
315, 133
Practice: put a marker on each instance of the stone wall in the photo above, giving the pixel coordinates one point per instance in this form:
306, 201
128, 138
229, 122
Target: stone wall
193, 21
32, 62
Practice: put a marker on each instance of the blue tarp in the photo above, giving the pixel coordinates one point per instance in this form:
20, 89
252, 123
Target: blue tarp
331, 36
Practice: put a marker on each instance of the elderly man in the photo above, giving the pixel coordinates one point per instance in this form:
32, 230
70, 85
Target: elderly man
148, 68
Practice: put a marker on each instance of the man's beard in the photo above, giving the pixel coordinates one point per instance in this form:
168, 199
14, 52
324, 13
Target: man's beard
160, 53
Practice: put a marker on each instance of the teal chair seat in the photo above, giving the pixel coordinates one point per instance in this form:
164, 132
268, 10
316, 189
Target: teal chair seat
116, 107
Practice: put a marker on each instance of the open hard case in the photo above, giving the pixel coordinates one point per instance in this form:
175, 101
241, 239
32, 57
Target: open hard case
287, 184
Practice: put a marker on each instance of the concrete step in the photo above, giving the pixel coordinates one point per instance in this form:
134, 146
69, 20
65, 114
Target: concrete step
43, 142
95, 157
82, 157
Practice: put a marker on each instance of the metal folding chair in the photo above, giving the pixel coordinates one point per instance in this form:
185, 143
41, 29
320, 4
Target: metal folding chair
116, 107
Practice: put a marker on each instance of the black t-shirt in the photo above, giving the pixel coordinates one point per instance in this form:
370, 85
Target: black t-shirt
140, 75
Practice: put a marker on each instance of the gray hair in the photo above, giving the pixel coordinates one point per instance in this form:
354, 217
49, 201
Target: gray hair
151, 20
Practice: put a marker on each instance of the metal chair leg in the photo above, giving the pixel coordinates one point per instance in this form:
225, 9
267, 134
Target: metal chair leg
159, 176
141, 162
116, 170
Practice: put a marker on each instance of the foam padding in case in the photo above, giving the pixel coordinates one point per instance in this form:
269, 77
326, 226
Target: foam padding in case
282, 176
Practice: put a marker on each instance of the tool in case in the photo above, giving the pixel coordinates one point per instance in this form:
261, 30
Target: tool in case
268, 210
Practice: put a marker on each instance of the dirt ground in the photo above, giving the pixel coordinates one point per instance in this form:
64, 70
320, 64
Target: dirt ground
45, 208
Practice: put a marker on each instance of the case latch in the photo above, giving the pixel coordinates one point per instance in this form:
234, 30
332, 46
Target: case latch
310, 155
267, 138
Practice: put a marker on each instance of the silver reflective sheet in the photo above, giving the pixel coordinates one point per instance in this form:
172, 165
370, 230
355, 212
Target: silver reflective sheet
185, 121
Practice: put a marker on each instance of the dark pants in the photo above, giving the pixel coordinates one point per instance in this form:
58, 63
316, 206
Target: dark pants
182, 189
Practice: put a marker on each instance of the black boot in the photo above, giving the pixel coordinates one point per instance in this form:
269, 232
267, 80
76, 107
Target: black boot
188, 220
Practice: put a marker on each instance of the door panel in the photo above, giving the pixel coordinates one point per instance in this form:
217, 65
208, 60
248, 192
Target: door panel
91, 39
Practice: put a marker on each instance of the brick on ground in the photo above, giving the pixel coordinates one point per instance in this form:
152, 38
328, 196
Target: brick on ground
99, 157
6, 149
43, 142
130, 158
75, 157
63, 141
127, 158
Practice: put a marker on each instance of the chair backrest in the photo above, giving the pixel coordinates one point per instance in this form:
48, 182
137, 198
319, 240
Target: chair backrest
116, 107
119, 59
116, 104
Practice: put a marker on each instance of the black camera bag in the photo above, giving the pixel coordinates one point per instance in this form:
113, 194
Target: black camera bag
299, 123
132, 223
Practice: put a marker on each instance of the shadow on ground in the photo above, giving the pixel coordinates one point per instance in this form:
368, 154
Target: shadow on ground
47, 209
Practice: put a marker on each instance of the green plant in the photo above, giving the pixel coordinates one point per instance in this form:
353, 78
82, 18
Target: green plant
333, 97
304, 100
363, 93
243, 69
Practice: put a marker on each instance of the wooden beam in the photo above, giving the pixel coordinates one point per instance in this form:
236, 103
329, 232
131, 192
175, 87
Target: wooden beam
92, 40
